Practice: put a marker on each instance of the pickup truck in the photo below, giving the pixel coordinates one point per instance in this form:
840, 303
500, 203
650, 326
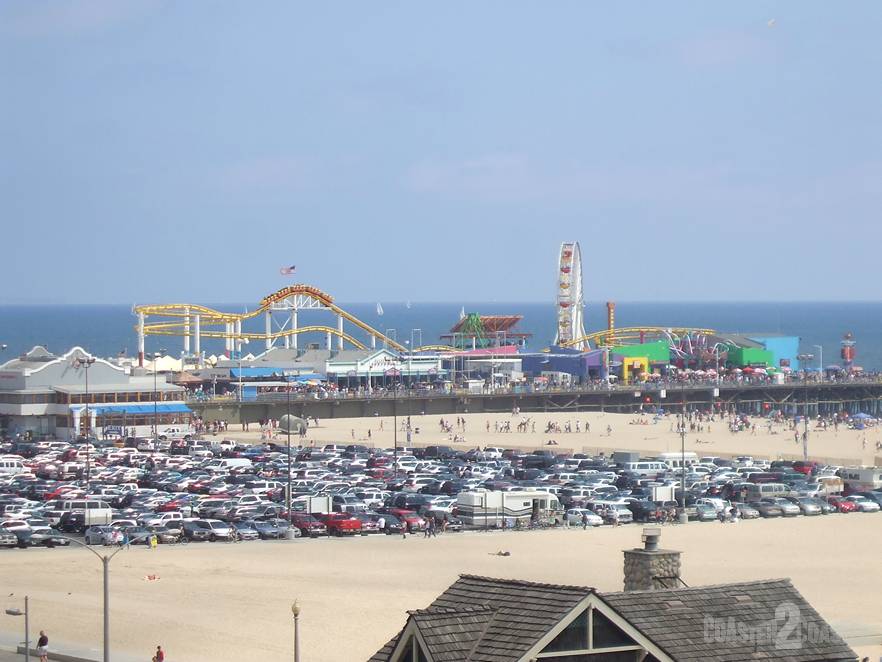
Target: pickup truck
340, 524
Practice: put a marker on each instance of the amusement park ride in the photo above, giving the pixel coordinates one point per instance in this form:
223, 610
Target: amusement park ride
190, 320
280, 311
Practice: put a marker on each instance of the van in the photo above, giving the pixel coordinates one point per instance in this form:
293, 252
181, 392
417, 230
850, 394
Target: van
758, 491
11, 466
645, 467
95, 512
677, 460
228, 463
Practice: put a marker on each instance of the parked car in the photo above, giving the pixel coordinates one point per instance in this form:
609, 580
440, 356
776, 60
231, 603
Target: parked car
788, 509
48, 537
100, 535
574, 517
863, 504
8, 539
309, 525
767, 509
245, 531
341, 524
841, 504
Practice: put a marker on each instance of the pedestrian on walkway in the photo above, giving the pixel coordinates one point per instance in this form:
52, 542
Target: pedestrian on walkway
43, 646
160, 655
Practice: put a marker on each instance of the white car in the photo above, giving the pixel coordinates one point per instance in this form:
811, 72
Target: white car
864, 504
574, 516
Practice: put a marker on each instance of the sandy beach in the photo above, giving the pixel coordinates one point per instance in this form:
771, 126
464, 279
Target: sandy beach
232, 601
835, 447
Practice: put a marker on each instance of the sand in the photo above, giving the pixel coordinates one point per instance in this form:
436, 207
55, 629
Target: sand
232, 601
841, 447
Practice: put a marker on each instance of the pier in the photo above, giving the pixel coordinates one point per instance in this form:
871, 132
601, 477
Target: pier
756, 399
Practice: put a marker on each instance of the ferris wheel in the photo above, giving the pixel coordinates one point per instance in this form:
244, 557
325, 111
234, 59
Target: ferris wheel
569, 303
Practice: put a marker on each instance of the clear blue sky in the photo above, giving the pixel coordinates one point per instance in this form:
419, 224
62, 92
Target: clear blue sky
184, 151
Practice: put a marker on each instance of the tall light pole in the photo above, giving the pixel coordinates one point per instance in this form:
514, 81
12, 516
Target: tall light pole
85, 364
288, 444
803, 359
26, 613
105, 563
684, 518
295, 609
820, 349
156, 355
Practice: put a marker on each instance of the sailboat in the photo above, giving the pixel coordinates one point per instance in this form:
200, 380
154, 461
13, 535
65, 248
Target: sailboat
407, 304
462, 313
379, 309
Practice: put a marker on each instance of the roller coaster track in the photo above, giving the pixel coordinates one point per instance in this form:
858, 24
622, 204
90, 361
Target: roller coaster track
310, 298
625, 334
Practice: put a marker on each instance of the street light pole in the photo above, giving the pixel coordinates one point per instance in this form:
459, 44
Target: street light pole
156, 355
684, 518
26, 614
105, 563
820, 349
288, 444
803, 360
85, 364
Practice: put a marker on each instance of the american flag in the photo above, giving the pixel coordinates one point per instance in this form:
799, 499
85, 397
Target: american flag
287, 271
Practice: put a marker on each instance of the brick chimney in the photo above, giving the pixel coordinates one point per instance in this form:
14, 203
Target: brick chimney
651, 568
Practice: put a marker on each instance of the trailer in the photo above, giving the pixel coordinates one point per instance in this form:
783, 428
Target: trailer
313, 504
497, 509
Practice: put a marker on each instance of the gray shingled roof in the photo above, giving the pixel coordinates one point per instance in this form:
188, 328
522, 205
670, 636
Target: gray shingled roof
675, 621
451, 635
524, 613
481, 619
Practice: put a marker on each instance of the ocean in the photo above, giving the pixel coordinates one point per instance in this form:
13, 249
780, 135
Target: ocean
108, 330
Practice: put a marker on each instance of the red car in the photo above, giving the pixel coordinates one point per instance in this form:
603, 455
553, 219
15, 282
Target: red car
340, 524
413, 521
308, 525
841, 504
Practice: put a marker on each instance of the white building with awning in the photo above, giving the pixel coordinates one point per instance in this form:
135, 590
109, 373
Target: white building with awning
46, 394
384, 367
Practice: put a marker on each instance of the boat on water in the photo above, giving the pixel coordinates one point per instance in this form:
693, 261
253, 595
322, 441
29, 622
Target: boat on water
379, 308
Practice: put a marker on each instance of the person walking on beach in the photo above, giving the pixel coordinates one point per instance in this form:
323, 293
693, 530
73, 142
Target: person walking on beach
43, 646
584, 521
160, 655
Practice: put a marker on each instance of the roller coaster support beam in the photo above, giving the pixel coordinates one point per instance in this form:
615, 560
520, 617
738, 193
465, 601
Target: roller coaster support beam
140, 340
187, 332
340, 334
268, 316
294, 327
197, 338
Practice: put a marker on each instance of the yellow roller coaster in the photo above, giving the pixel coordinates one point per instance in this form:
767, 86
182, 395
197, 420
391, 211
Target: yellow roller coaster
197, 322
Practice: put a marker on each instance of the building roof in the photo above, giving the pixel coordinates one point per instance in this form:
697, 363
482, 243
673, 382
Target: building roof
523, 613
482, 619
675, 620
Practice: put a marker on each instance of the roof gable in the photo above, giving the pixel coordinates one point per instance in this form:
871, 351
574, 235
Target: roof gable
730, 622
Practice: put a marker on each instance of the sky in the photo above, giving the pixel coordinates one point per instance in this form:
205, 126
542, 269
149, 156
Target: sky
155, 151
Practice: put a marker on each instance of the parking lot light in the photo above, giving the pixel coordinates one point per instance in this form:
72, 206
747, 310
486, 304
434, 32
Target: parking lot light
15, 611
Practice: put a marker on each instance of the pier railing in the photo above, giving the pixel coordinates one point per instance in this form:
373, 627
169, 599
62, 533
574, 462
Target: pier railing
649, 387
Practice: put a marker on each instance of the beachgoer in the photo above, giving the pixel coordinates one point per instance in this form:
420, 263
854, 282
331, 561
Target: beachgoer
43, 646
584, 521
160, 655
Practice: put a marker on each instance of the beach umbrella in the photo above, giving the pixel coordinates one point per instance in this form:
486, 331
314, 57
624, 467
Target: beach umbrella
748, 369
737, 370
862, 416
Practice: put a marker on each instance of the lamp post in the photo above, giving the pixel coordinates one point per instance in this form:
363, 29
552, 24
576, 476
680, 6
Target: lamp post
803, 359
26, 614
105, 563
295, 609
288, 444
156, 355
683, 517
820, 349
85, 364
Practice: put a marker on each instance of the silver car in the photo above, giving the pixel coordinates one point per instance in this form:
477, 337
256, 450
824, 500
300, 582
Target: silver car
746, 512
219, 530
788, 508
808, 506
